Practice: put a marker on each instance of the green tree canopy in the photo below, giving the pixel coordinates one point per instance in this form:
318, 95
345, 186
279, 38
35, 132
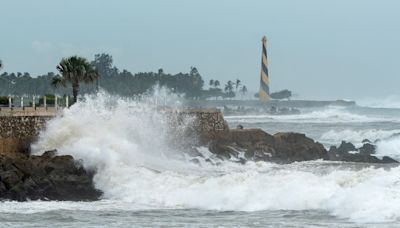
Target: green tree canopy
75, 70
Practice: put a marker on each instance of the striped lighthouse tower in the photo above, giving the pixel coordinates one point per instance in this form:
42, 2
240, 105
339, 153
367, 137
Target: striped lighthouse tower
264, 81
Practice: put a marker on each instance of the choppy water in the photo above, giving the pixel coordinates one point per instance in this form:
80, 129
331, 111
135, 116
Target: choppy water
149, 183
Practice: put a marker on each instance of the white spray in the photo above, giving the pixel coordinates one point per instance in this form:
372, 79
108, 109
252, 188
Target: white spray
126, 143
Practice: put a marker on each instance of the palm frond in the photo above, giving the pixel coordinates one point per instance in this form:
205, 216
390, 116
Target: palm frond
58, 82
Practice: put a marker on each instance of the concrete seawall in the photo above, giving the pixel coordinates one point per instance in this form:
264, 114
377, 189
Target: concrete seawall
18, 132
19, 128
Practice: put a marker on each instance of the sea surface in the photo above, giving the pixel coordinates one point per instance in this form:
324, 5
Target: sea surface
147, 182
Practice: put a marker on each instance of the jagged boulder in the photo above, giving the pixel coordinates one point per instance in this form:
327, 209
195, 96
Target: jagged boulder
346, 147
288, 147
367, 149
250, 137
291, 147
46, 177
349, 153
223, 151
258, 145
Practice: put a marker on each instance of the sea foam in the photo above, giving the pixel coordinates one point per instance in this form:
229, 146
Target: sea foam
331, 114
126, 142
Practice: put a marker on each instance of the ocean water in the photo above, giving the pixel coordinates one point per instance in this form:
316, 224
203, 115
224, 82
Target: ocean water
149, 182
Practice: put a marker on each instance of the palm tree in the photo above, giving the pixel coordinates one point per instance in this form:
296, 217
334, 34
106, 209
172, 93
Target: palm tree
229, 89
211, 83
1, 64
75, 70
229, 86
243, 90
216, 83
237, 84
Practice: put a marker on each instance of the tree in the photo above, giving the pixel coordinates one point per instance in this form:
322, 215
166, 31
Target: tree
283, 94
229, 86
58, 82
195, 87
216, 83
211, 83
1, 64
193, 71
237, 84
103, 63
243, 90
75, 70
229, 89
112, 80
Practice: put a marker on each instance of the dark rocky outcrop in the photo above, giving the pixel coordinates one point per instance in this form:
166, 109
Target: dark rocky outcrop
258, 145
45, 177
292, 147
348, 152
288, 147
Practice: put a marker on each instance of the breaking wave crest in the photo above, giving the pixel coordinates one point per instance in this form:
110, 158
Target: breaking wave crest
127, 143
389, 147
328, 115
334, 137
388, 102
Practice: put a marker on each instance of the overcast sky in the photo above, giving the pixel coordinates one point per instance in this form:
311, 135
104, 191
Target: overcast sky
319, 49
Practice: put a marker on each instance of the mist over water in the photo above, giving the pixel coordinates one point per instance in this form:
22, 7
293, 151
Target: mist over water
390, 102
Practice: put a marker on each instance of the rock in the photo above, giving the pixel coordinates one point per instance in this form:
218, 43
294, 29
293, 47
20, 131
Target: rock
49, 154
239, 127
3, 188
291, 147
366, 141
367, 148
46, 177
346, 147
10, 177
249, 137
223, 151
387, 159
258, 145
363, 154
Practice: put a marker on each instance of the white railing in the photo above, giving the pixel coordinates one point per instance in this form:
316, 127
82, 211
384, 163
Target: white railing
33, 104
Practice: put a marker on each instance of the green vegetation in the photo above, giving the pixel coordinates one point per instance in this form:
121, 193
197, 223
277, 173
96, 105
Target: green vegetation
3, 100
229, 89
243, 90
50, 99
76, 75
75, 70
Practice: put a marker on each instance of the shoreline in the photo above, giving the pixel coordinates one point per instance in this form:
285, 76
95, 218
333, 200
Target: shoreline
58, 177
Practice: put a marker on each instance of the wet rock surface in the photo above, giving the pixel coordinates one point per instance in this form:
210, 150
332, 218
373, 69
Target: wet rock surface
348, 152
46, 177
288, 147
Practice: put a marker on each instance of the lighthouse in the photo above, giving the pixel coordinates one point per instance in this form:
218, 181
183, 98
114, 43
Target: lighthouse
264, 80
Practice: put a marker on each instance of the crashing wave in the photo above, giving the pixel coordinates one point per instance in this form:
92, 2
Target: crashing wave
126, 142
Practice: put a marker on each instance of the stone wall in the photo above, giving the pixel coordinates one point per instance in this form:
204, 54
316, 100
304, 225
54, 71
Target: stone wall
202, 124
206, 120
17, 132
